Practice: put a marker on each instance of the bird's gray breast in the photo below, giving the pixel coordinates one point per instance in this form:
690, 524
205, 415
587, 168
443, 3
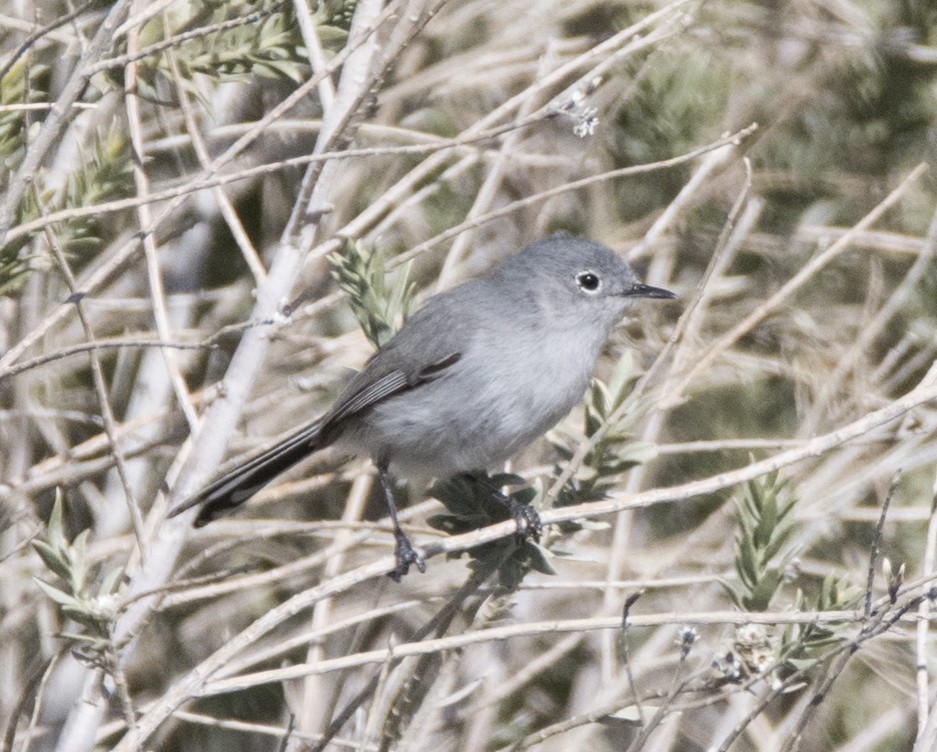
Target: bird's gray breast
507, 388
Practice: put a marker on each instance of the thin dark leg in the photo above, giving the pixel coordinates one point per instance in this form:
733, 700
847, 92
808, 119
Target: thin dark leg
525, 516
405, 553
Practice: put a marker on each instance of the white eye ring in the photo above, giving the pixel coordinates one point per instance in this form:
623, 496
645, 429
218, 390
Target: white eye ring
588, 281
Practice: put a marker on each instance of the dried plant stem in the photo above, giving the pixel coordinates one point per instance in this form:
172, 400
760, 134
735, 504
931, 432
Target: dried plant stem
567, 187
796, 282
154, 275
314, 709
209, 687
100, 385
248, 252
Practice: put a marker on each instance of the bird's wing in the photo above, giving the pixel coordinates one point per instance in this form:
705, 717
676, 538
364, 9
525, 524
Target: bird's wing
359, 397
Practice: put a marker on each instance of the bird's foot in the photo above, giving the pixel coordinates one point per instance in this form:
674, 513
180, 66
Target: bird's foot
525, 517
405, 555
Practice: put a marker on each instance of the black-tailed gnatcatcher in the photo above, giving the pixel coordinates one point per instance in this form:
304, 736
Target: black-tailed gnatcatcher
477, 374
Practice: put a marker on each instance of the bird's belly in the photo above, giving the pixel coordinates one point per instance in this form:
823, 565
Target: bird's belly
464, 422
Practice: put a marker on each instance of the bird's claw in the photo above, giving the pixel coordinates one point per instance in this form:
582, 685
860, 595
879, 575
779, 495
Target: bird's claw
405, 555
527, 521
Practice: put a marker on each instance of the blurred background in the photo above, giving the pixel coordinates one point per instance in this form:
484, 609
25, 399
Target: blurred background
211, 212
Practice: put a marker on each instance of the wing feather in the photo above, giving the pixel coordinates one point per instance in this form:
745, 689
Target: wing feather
359, 398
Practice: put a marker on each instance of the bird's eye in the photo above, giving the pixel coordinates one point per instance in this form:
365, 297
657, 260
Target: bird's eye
588, 281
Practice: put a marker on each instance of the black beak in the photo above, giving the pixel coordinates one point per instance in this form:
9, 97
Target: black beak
646, 291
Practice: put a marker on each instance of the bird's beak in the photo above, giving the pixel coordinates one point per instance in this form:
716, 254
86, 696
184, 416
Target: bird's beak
646, 291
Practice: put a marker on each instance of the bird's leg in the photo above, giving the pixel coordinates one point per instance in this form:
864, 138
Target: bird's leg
525, 516
404, 551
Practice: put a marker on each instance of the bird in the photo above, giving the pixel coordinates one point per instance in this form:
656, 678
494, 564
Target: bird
477, 374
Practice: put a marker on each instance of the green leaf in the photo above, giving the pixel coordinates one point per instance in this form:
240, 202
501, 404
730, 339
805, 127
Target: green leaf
80, 574
52, 558
759, 598
773, 547
760, 539
616, 451
55, 528
745, 562
24, 83
539, 558
59, 596
377, 304
510, 575
733, 594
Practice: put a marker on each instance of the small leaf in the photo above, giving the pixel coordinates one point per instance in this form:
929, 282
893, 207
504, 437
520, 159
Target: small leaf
79, 562
760, 596
510, 575
59, 596
733, 594
52, 558
539, 558
55, 528
745, 562
774, 546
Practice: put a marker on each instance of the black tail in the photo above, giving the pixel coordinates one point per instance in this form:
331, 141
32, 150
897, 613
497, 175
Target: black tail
237, 486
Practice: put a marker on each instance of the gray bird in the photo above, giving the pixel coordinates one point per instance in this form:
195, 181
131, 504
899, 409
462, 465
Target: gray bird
473, 377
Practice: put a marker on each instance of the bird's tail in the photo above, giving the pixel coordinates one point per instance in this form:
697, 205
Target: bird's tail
238, 485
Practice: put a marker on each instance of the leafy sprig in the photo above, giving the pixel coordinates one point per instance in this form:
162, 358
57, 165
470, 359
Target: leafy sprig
23, 84
471, 504
379, 304
763, 565
616, 451
104, 172
764, 527
81, 594
269, 48
802, 645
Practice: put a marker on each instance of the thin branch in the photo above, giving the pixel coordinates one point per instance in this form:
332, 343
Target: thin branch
150, 253
173, 42
100, 386
926, 720
528, 630
875, 547
248, 252
117, 343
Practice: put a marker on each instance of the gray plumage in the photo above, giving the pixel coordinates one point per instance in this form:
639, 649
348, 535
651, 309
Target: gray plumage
473, 377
